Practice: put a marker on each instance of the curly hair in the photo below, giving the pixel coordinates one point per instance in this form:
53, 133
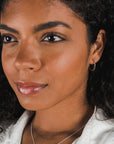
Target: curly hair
97, 15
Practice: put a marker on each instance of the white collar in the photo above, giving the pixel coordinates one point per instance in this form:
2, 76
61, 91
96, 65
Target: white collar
15, 131
94, 130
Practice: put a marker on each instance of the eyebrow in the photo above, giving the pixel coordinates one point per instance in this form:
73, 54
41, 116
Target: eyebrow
37, 28
50, 25
5, 27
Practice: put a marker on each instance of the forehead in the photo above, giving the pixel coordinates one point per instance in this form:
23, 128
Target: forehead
23, 15
35, 9
19, 5
31, 5
29, 12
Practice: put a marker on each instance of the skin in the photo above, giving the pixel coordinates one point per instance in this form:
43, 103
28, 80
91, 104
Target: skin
61, 107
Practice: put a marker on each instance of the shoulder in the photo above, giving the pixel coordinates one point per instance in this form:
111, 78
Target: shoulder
98, 130
12, 133
108, 138
4, 127
103, 129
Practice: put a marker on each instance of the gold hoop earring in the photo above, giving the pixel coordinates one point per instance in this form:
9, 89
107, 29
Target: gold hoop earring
92, 67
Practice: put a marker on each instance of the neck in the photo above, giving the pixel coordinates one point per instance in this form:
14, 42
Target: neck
69, 138
65, 117
55, 124
58, 125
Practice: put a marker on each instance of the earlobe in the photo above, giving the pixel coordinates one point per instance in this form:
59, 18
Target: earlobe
98, 47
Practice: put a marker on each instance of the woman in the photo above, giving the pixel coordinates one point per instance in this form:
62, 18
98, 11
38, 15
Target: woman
58, 58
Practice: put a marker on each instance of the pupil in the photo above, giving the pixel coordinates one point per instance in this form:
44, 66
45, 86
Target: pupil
51, 38
8, 38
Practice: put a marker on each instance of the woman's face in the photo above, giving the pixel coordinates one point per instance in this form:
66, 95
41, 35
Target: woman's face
45, 53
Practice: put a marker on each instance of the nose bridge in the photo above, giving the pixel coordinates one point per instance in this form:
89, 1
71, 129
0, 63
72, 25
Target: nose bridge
28, 57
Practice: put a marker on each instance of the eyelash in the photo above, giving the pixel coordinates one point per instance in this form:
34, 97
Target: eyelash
50, 37
8, 38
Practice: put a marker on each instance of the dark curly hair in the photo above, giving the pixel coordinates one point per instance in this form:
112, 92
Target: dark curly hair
97, 15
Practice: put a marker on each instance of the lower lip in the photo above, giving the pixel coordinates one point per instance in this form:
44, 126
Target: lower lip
29, 90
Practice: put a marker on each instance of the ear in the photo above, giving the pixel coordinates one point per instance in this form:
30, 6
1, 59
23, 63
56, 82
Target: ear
97, 48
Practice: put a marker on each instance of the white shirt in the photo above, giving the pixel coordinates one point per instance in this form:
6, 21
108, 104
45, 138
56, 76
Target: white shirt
98, 130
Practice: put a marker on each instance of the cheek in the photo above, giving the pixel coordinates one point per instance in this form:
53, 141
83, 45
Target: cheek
70, 68
7, 63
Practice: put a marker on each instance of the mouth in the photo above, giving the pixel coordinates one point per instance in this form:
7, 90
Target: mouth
30, 88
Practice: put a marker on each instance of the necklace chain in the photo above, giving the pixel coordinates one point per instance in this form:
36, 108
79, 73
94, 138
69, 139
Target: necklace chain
31, 131
33, 140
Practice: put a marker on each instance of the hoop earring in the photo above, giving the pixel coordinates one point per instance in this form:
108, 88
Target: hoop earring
92, 67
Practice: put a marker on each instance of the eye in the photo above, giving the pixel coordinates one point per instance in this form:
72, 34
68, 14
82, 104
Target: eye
6, 39
52, 38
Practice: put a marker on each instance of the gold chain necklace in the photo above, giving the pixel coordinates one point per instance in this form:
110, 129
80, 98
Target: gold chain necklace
33, 140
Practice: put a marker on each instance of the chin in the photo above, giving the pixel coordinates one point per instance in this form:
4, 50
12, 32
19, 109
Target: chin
37, 106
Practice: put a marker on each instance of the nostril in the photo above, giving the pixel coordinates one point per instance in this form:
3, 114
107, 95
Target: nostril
27, 59
28, 65
31, 68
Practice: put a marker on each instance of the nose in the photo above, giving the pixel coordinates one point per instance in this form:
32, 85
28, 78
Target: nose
27, 60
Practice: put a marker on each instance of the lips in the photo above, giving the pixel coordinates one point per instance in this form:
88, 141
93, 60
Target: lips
30, 88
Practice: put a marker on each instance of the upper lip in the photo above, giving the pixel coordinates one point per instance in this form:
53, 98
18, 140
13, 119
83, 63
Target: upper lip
30, 84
